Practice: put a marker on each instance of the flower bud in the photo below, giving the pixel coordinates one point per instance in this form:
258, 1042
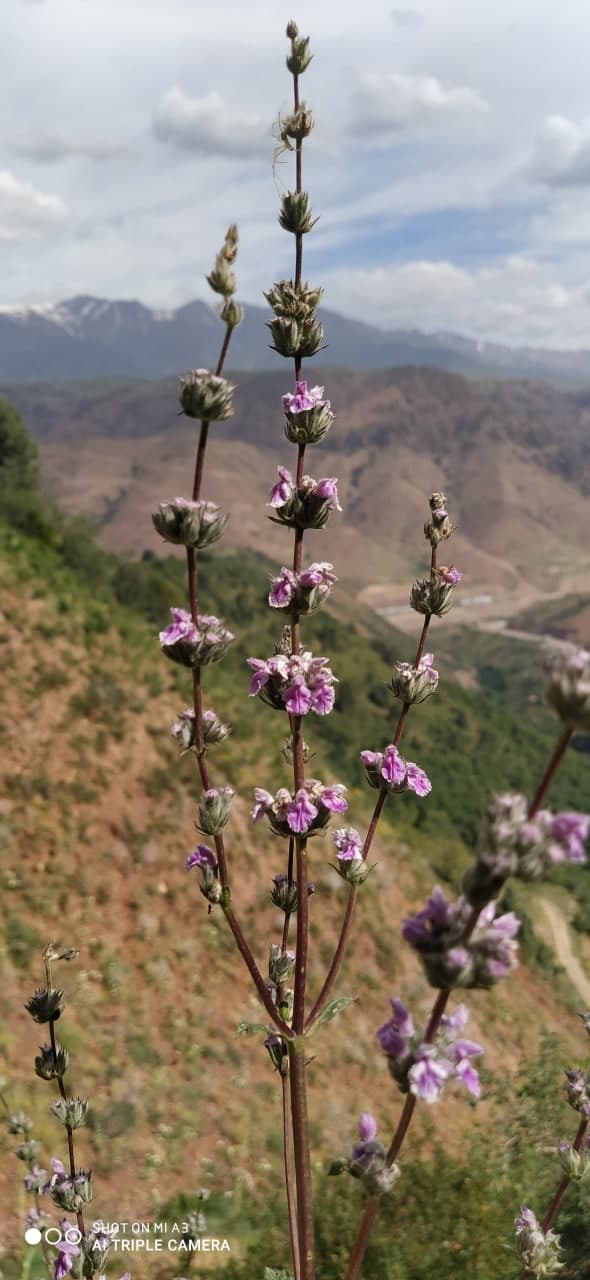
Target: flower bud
350, 865
49, 1066
46, 1006
537, 1250
205, 396
298, 302
295, 215
232, 313
19, 1122
414, 684
189, 524
292, 30
578, 1090
222, 279
575, 1163
278, 1052
195, 645
72, 1112
70, 1193
292, 338
28, 1151
434, 595
284, 894
300, 57
439, 526
298, 125
214, 810
567, 687
280, 964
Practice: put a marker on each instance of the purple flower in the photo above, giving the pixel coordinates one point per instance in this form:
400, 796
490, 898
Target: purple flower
367, 1127
395, 1036
282, 589
203, 856
303, 399
298, 698
191, 645
299, 683
427, 1076
318, 574
451, 576
388, 771
460, 1053
301, 812
417, 780
527, 1220
348, 843
66, 1252
393, 768
328, 489
305, 813
283, 489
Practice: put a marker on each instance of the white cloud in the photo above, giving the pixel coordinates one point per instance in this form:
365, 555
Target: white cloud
406, 18
26, 211
208, 126
515, 301
561, 154
52, 148
390, 103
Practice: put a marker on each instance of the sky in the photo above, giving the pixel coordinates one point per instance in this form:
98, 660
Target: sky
449, 164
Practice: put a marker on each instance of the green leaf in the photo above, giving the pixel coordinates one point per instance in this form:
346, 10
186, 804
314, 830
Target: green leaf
270, 1273
334, 1008
250, 1028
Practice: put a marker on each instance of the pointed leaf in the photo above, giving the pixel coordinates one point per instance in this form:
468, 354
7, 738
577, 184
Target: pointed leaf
251, 1028
334, 1008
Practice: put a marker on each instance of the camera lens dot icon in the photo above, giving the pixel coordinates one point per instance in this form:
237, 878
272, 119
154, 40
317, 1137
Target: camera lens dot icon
32, 1235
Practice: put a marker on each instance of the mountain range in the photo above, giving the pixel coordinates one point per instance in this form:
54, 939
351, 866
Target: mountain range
512, 457
87, 337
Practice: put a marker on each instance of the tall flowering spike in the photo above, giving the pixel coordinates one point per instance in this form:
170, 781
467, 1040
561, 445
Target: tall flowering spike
206, 396
513, 844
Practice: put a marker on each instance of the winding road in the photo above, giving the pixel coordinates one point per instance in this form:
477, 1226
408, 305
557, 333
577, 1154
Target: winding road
560, 935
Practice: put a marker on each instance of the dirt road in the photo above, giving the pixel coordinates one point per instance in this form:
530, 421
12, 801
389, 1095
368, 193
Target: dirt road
563, 949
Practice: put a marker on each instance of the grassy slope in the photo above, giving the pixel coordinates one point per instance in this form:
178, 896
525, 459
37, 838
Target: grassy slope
96, 818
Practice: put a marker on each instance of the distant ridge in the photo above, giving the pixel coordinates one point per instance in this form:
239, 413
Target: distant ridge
87, 337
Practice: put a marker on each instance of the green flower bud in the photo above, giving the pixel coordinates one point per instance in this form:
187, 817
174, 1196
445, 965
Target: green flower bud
280, 964
434, 595
46, 1006
222, 279
28, 1151
214, 810
298, 302
189, 524
72, 1112
232, 313
279, 1054
49, 1066
299, 57
295, 215
567, 687
292, 338
70, 1193
205, 396
352, 870
292, 30
575, 1163
19, 1122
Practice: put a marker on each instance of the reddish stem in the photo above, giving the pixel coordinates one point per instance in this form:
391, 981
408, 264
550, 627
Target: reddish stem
289, 1184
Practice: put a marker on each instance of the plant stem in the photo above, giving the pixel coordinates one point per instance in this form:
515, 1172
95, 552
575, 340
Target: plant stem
68, 1128
555, 1205
289, 1184
302, 1158
346, 926
550, 772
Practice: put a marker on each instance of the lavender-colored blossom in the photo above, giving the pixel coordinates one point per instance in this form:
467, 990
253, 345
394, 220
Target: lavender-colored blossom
305, 813
367, 1127
282, 589
327, 488
537, 1250
567, 687
415, 683
299, 683
284, 488
437, 933
427, 1076
450, 576
36, 1179
304, 399
195, 645
388, 771
421, 1067
66, 1252
202, 856
348, 843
